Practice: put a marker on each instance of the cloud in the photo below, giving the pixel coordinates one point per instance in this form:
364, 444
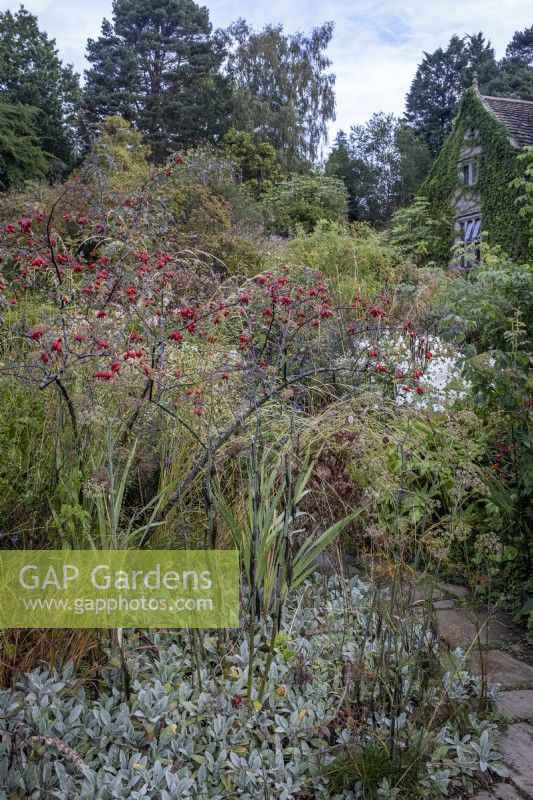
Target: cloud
375, 50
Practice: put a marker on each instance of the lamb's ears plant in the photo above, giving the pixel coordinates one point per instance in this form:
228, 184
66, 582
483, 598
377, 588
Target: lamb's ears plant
176, 737
489, 759
386, 791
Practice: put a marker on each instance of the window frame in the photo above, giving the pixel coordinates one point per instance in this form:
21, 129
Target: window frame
470, 230
470, 172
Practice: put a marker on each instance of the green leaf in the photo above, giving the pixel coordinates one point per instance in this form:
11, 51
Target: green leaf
527, 608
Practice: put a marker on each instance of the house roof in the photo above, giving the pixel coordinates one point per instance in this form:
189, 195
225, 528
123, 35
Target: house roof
516, 115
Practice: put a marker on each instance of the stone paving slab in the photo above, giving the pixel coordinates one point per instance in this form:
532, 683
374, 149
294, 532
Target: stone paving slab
518, 704
502, 668
444, 604
458, 624
502, 791
460, 627
426, 591
506, 792
456, 590
429, 590
516, 747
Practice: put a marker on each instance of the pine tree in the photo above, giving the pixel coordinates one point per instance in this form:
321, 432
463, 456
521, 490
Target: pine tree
157, 65
32, 74
521, 47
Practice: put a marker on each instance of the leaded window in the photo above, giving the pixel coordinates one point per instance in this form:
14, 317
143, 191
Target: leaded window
470, 236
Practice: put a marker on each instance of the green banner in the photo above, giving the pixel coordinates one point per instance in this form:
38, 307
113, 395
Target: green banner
119, 589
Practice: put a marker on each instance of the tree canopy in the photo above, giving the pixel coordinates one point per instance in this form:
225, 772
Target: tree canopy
257, 162
382, 164
302, 201
515, 70
21, 157
521, 46
32, 74
157, 65
283, 91
440, 81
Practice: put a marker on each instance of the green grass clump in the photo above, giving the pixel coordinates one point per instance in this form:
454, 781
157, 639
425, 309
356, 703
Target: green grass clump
370, 764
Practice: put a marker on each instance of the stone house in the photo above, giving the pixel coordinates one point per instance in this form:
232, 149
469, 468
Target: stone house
469, 184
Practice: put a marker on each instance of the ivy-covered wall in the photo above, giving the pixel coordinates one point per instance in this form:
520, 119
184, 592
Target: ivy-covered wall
498, 165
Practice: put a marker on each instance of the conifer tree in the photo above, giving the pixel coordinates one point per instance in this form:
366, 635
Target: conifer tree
440, 81
157, 65
21, 157
515, 70
32, 74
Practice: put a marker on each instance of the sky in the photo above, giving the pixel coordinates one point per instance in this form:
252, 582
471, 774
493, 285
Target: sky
375, 50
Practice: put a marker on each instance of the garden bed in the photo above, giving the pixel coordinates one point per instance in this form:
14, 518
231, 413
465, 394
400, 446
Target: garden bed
358, 704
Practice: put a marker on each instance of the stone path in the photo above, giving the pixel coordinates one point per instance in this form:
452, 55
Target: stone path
503, 658
505, 662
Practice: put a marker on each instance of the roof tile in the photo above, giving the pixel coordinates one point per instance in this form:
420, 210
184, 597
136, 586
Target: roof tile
516, 115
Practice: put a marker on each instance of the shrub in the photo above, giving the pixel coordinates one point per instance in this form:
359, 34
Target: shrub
353, 256
415, 234
127, 331
235, 254
212, 211
200, 211
246, 213
489, 317
303, 200
119, 156
257, 162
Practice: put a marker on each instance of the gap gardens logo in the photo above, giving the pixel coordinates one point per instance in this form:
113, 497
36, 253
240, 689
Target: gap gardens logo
119, 589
